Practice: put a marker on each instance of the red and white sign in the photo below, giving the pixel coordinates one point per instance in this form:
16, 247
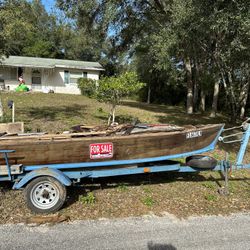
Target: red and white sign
101, 150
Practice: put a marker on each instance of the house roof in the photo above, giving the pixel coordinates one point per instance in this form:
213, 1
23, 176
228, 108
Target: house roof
49, 63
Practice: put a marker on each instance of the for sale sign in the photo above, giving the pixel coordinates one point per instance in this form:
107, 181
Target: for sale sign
101, 150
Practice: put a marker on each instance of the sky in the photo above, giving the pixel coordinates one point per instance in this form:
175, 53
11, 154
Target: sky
48, 4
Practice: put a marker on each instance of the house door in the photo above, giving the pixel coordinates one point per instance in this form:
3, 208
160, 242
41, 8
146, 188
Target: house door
36, 78
19, 73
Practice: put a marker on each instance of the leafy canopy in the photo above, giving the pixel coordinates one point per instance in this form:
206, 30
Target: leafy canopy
112, 89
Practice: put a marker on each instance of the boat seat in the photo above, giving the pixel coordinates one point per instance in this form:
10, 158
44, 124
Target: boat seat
15, 169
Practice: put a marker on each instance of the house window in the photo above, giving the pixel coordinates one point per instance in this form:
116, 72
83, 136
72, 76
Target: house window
13, 74
66, 77
8, 73
36, 77
74, 76
84, 74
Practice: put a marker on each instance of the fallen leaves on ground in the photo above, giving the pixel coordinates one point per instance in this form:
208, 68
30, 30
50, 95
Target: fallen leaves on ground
182, 195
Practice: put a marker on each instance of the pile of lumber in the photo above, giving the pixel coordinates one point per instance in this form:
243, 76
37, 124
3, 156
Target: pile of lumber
90, 131
127, 129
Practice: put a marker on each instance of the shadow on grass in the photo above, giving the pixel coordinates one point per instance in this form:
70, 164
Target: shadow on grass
54, 112
154, 107
176, 114
194, 119
121, 119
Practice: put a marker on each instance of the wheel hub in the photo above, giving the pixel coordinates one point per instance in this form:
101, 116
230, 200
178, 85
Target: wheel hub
44, 195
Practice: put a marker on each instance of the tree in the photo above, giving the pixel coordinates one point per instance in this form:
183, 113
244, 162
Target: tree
14, 26
112, 90
26, 29
188, 45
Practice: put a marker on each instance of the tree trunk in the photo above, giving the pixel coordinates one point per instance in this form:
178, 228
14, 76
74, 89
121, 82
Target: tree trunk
109, 119
195, 98
149, 95
215, 98
1, 109
112, 115
243, 98
189, 87
203, 101
194, 71
232, 97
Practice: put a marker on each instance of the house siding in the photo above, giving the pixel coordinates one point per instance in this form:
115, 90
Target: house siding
51, 79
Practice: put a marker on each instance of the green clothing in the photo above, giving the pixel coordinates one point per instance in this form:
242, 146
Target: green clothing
22, 88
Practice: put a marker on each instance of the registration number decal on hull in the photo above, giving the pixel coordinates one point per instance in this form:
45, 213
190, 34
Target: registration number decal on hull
101, 150
193, 134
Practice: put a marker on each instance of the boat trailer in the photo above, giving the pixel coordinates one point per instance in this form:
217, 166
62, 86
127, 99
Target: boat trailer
45, 185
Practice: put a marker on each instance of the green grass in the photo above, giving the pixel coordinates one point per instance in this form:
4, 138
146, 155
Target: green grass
147, 190
88, 199
122, 187
209, 184
210, 197
59, 112
148, 201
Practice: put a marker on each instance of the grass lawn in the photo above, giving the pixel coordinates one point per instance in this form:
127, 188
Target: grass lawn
179, 194
59, 112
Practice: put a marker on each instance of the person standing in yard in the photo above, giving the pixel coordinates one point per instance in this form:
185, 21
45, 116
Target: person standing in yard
21, 80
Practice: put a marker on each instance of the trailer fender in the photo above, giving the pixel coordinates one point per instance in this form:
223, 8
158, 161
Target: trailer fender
57, 174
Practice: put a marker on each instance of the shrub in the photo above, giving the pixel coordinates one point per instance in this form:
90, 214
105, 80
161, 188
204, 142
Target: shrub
87, 86
88, 199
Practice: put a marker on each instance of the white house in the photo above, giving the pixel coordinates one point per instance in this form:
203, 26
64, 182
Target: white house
43, 74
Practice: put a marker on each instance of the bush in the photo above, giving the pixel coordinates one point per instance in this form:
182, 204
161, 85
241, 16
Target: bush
87, 86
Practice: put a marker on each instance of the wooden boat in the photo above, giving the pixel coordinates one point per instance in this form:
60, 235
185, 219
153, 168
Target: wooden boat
52, 149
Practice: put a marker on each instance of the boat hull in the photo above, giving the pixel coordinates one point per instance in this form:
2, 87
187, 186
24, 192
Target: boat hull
41, 151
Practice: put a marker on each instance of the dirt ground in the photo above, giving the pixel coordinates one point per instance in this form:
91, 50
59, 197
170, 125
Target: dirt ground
182, 195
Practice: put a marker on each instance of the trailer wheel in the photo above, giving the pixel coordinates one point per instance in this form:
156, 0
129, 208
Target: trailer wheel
201, 162
45, 195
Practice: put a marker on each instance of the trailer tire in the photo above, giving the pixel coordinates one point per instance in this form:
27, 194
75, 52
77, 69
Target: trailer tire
45, 195
201, 162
